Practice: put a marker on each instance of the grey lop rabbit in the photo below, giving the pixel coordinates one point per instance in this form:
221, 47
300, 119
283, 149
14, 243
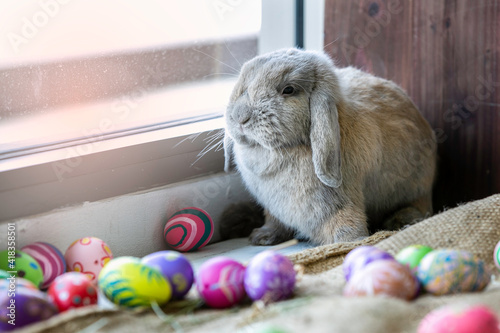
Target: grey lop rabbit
327, 151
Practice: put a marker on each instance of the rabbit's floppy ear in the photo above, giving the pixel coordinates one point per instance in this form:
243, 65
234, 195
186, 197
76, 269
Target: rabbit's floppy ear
325, 135
228, 152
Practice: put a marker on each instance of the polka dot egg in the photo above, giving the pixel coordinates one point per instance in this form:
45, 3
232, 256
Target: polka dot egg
51, 261
72, 290
88, 256
220, 282
189, 229
24, 265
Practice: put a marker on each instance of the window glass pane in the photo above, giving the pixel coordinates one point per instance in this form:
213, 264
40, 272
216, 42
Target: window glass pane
72, 69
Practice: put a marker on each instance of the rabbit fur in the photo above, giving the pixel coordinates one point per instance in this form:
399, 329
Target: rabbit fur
326, 150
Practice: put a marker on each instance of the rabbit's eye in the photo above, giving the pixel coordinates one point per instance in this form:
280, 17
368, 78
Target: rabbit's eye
288, 90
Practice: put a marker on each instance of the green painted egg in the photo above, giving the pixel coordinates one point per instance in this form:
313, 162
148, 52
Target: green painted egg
22, 265
412, 255
128, 282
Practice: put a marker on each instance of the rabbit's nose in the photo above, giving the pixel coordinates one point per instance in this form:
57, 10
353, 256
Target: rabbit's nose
242, 117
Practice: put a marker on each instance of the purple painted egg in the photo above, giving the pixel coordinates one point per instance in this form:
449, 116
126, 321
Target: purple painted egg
360, 257
50, 259
175, 267
269, 277
22, 307
220, 282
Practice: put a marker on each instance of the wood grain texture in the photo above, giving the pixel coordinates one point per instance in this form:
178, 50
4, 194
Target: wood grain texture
445, 54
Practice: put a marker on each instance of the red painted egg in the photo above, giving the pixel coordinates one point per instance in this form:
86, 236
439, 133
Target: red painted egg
72, 290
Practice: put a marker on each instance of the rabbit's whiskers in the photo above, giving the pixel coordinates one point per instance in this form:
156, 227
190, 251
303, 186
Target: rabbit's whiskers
214, 141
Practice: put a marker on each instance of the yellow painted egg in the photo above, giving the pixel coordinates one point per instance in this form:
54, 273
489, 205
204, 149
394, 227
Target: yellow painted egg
127, 282
452, 271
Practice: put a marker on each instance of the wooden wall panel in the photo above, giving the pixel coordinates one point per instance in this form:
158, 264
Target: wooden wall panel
445, 54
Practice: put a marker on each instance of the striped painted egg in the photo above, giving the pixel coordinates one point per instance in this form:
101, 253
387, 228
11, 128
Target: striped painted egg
220, 282
88, 255
189, 229
50, 259
127, 282
452, 271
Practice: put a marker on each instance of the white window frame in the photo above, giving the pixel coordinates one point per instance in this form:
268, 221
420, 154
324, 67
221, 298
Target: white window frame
33, 184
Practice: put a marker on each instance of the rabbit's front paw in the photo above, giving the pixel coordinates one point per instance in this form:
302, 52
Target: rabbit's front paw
267, 236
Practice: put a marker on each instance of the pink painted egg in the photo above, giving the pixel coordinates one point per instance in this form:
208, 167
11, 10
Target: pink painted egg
88, 255
220, 282
270, 277
383, 278
72, 290
51, 261
361, 256
189, 229
476, 319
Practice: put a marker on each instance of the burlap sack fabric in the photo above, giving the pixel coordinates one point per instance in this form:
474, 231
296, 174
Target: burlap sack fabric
317, 305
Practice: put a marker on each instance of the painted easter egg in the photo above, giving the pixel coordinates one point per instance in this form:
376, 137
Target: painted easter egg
12, 284
127, 282
24, 307
452, 271
360, 257
88, 255
220, 282
189, 229
270, 277
383, 278
4, 274
51, 260
412, 255
23, 264
496, 255
475, 319
175, 267
72, 290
